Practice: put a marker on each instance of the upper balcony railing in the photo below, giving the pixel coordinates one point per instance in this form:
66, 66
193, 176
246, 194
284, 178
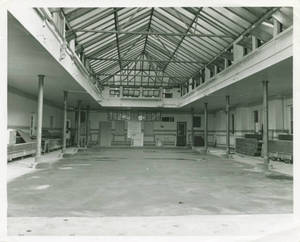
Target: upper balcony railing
251, 41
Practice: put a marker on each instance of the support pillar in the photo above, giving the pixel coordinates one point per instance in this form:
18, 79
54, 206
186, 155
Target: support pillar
265, 123
215, 70
64, 134
87, 126
227, 126
192, 141
39, 118
205, 128
225, 63
276, 27
78, 124
254, 42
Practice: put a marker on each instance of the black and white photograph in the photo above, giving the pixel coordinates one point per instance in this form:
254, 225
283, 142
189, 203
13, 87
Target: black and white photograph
140, 119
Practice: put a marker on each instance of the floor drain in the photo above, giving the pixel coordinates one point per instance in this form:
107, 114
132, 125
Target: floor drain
180, 202
28, 230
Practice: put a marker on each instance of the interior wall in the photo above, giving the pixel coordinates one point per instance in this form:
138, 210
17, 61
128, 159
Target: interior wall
279, 120
20, 108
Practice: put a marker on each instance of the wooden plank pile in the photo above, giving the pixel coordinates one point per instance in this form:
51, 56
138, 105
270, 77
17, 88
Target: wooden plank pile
248, 146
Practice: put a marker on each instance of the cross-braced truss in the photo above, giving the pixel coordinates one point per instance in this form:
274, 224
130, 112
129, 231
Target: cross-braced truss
161, 46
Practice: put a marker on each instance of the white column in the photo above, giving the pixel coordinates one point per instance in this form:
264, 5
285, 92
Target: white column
205, 127
78, 124
64, 138
266, 123
40, 118
227, 126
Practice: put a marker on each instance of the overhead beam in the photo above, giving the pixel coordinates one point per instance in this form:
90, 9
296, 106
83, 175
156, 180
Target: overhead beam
177, 77
248, 30
282, 18
148, 29
185, 34
150, 33
157, 61
117, 35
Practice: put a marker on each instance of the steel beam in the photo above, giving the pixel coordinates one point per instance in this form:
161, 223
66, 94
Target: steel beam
155, 61
248, 30
64, 134
265, 123
167, 76
117, 35
78, 123
186, 34
150, 33
205, 128
87, 131
227, 126
192, 141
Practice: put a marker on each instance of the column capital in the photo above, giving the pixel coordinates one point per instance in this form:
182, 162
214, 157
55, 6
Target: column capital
41, 76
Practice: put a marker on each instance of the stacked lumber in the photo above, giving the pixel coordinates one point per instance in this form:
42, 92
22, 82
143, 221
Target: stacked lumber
248, 146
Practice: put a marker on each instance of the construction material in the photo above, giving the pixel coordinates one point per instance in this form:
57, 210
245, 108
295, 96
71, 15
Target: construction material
248, 146
281, 150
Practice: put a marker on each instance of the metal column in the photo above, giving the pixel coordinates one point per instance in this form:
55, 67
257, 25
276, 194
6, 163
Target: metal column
265, 123
40, 118
227, 126
87, 126
64, 134
192, 141
78, 123
205, 127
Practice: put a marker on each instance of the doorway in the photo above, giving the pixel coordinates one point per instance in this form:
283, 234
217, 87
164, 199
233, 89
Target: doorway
181, 134
105, 136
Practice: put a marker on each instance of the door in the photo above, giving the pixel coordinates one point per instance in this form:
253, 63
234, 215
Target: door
181, 134
105, 134
134, 132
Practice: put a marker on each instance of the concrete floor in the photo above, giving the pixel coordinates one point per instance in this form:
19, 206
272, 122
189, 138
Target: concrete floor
146, 182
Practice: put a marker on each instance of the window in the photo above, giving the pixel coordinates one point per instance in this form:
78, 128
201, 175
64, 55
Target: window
196, 121
168, 95
131, 92
114, 92
151, 93
167, 119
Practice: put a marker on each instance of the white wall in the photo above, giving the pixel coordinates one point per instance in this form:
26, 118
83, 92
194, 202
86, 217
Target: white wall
19, 108
279, 120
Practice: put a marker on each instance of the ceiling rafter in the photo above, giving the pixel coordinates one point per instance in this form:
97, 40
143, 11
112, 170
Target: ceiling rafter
117, 35
151, 33
173, 43
159, 61
248, 30
188, 29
